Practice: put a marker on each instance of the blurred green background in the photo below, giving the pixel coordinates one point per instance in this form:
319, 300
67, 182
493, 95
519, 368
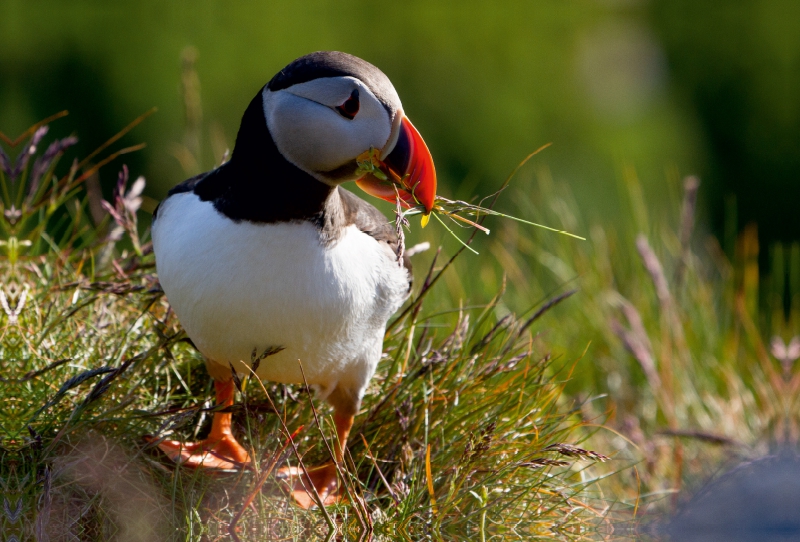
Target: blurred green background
667, 87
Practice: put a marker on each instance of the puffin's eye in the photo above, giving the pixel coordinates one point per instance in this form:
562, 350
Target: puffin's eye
350, 107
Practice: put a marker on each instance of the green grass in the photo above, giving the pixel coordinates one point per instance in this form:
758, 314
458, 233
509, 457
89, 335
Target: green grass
495, 387
467, 429
680, 368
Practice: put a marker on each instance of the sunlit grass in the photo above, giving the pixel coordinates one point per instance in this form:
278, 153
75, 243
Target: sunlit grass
463, 433
502, 385
692, 357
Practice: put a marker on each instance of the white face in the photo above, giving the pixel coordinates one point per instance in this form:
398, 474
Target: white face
316, 137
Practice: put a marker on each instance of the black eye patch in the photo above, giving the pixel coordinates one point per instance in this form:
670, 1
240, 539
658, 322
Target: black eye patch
349, 108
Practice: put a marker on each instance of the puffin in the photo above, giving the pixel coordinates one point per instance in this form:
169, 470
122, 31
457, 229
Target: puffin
272, 268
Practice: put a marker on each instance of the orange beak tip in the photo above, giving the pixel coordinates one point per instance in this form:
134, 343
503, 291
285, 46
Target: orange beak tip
411, 164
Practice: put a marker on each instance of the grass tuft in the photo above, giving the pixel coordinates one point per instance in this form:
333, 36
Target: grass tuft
465, 431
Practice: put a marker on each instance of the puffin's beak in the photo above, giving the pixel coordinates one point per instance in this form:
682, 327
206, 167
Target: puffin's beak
409, 169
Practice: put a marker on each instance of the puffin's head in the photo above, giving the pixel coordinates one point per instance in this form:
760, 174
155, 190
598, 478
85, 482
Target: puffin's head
327, 109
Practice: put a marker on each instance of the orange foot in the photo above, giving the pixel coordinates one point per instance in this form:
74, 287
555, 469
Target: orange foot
220, 453
323, 479
219, 450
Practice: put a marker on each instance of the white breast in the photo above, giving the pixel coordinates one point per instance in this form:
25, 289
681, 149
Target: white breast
242, 286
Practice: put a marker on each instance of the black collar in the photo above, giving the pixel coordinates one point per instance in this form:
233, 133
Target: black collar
258, 184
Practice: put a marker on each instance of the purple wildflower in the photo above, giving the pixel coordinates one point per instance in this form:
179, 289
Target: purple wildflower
117, 209
43, 162
27, 152
123, 210
5, 162
124, 207
122, 180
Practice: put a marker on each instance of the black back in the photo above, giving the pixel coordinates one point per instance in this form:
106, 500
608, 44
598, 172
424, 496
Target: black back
258, 184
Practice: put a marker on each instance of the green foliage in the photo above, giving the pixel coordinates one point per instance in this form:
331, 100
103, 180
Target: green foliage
463, 433
736, 64
485, 84
687, 361
480, 420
